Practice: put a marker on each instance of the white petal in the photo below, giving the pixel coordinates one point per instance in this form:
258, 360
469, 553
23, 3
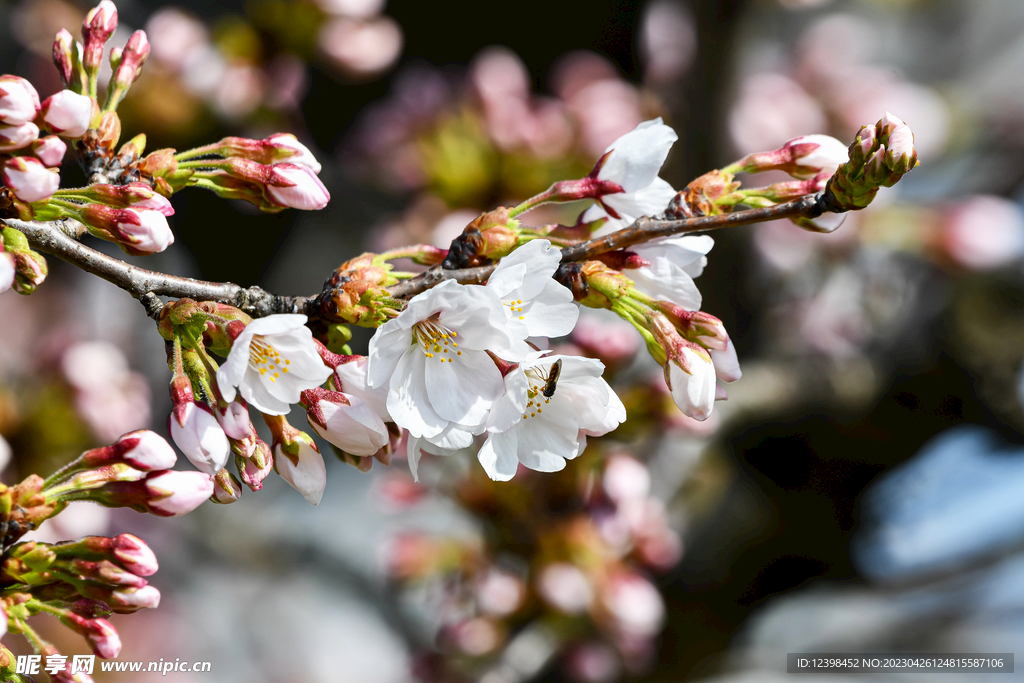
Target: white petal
508, 408
648, 201
498, 456
408, 403
388, 344
463, 389
637, 156
552, 313
256, 393
727, 364
540, 259
666, 281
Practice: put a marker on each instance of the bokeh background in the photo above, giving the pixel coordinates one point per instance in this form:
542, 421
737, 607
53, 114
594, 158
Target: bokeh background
861, 490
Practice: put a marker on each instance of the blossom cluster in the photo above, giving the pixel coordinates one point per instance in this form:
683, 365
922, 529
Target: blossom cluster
127, 199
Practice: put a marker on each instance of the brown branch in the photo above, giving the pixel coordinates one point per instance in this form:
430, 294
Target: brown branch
642, 230
59, 238
55, 238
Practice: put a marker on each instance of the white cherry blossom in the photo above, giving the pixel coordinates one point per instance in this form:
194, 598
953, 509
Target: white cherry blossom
542, 431
271, 363
433, 359
537, 305
307, 472
633, 162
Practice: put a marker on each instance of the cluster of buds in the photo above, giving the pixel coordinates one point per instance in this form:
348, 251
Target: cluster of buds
273, 174
80, 583
28, 163
487, 238
880, 156
133, 472
356, 293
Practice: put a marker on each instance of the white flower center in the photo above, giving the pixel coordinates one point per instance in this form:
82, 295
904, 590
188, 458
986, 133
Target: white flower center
515, 306
264, 358
436, 340
537, 379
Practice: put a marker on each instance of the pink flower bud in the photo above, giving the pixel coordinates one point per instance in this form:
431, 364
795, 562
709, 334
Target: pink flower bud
19, 101
133, 195
7, 271
63, 45
131, 60
257, 467
901, 156
103, 639
226, 488
288, 148
887, 124
306, 471
100, 23
297, 187
176, 493
197, 433
50, 150
234, 420
137, 231
17, 137
67, 114
132, 599
727, 363
814, 154
29, 179
134, 555
142, 450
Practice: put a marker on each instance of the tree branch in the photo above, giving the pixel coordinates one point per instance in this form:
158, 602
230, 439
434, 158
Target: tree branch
642, 230
59, 238
55, 238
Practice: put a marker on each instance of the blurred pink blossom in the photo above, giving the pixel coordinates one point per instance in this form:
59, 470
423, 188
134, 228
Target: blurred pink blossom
361, 48
109, 397
770, 110
983, 232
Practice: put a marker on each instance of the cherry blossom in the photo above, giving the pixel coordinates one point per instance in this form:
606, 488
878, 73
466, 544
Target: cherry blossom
271, 363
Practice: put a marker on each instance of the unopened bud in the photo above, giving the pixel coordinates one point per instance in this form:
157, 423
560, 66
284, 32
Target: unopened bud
17, 137
137, 231
63, 56
298, 460
19, 101
50, 150
100, 23
226, 488
143, 450
29, 179
67, 114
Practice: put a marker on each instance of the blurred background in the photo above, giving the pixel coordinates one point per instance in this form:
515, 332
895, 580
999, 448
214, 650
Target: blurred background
861, 490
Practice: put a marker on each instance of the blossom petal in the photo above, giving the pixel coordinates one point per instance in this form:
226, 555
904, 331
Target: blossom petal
408, 402
463, 391
552, 313
498, 456
388, 344
257, 394
637, 157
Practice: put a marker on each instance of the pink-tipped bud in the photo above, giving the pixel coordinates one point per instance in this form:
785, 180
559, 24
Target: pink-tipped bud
234, 420
63, 47
802, 158
886, 125
19, 101
174, 493
132, 57
29, 179
197, 433
901, 156
133, 195
128, 600
137, 231
226, 488
134, 555
50, 150
143, 450
297, 187
17, 137
67, 114
103, 639
257, 466
287, 148
689, 371
100, 23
